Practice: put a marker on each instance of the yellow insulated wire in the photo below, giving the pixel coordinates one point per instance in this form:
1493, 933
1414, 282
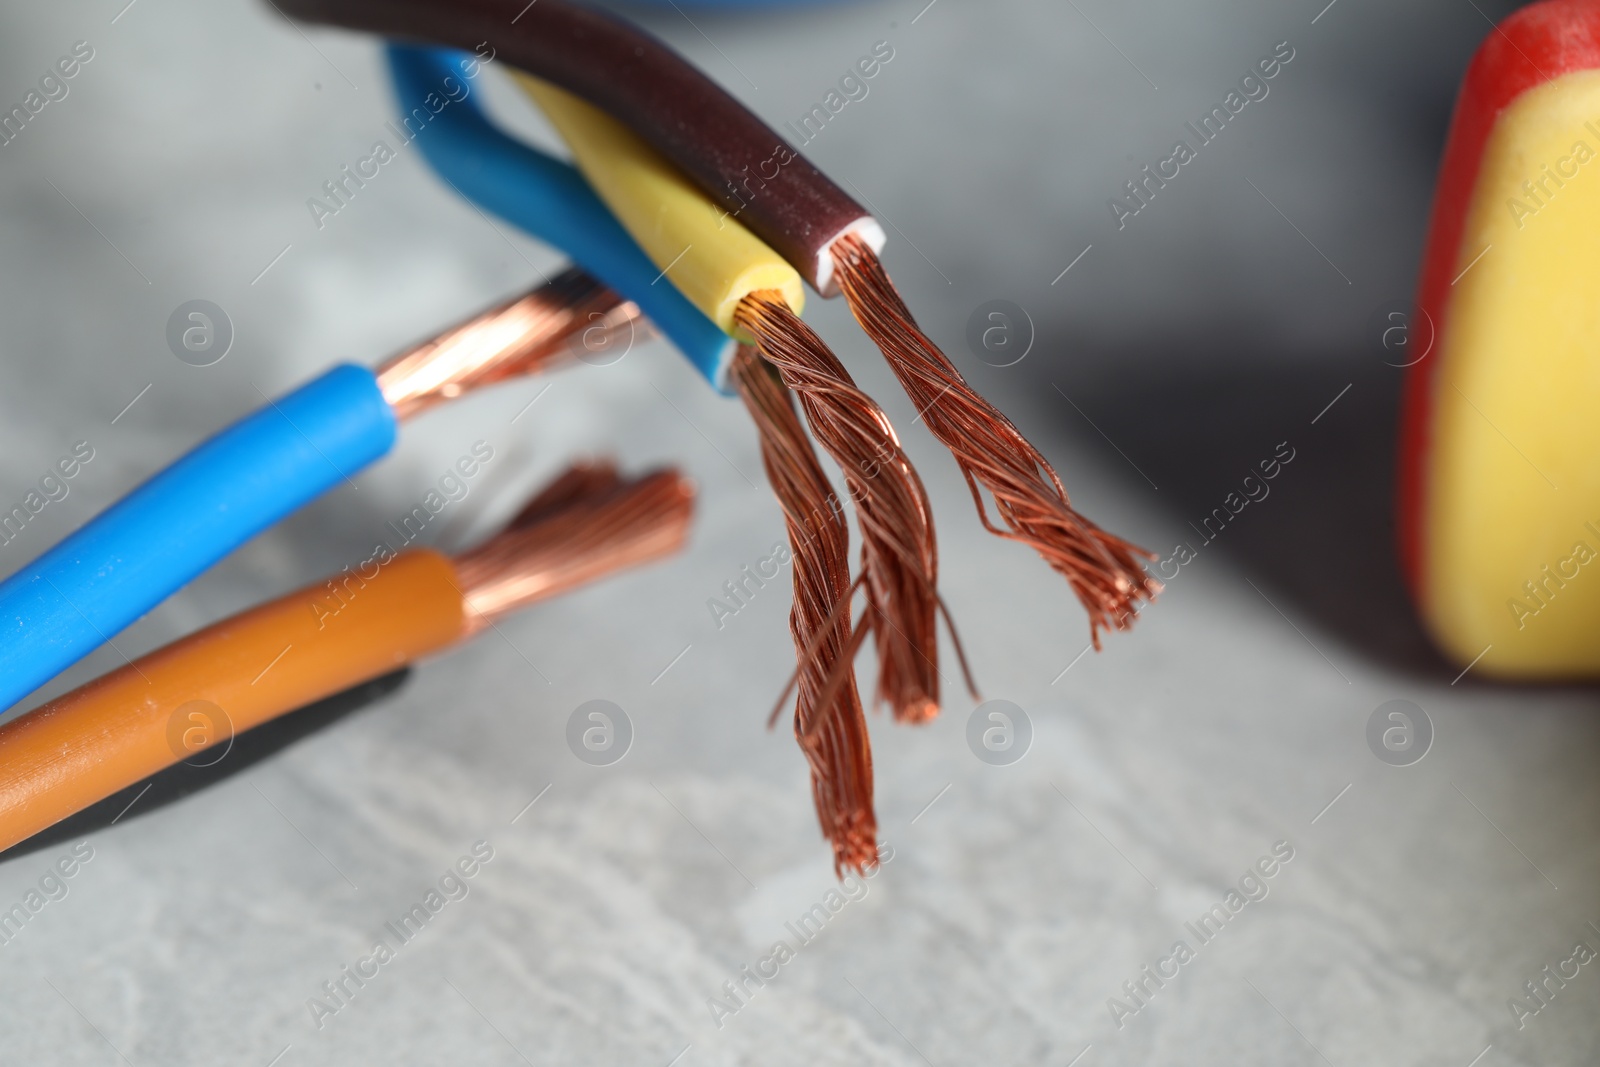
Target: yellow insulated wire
707, 254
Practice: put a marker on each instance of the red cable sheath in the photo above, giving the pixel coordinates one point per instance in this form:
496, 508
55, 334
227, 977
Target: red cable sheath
736, 158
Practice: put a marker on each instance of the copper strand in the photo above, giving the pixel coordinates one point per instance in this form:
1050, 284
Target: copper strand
585, 479
830, 727
1103, 569
528, 335
899, 556
587, 524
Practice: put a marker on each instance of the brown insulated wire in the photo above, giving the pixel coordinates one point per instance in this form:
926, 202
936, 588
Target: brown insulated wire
1103, 569
899, 556
833, 735
729, 152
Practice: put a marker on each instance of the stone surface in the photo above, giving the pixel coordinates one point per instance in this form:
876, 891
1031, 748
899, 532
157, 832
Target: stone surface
1019, 899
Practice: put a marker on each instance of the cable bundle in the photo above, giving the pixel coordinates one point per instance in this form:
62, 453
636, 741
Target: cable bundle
752, 293
88, 744
729, 212
119, 565
674, 180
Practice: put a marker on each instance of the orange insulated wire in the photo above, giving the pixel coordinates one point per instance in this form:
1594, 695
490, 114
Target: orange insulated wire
157, 710
241, 672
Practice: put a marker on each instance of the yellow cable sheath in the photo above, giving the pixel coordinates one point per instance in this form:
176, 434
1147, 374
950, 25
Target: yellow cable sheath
1513, 497
703, 250
199, 691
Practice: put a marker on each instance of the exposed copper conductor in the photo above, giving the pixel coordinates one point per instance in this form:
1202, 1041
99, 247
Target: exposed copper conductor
828, 720
1103, 569
899, 557
530, 334
586, 524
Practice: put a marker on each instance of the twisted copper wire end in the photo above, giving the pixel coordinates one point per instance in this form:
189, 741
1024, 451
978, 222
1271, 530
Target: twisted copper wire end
899, 557
586, 525
1103, 569
529, 335
586, 479
828, 721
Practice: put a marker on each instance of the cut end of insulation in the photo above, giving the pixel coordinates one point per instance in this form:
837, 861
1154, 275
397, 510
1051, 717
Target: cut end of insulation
767, 278
865, 228
720, 372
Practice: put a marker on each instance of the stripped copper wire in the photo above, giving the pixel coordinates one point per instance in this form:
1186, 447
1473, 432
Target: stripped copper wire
1103, 569
899, 556
587, 524
828, 720
527, 335
586, 479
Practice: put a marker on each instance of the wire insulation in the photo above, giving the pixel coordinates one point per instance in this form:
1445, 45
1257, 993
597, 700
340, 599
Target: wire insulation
200, 691
125, 726
548, 199
709, 255
245, 478
730, 153
92, 585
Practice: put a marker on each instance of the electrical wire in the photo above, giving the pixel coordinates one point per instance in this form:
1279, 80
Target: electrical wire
730, 153
570, 316
562, 542
243, 671
708, 254
718, 263
899, 553
828, 719
653, 199
544, 197
791, 206
1103, 569
81, 593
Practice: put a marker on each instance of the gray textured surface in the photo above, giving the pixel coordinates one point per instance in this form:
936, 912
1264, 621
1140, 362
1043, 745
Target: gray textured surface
1196, 340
